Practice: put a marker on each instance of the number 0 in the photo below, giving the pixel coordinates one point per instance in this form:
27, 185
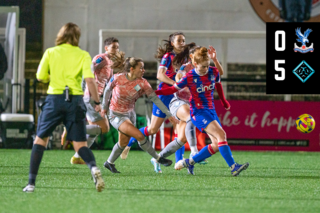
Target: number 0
280, 77
283, 40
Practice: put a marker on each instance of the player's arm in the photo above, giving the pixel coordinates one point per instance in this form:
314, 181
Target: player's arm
107, 94
224, 102
177, 86
164, 65
161, 75
43, 68
154, 98
98, 63
213, 55
90, 81
178, 76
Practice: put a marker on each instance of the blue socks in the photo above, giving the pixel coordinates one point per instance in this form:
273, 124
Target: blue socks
225, 151
204, 153
133, 140
179, 154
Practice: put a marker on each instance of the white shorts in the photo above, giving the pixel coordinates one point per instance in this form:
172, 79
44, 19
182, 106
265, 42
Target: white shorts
92, 115
175, 104
116, 119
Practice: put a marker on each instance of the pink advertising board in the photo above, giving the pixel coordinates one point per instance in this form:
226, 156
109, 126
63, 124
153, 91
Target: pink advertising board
269, 125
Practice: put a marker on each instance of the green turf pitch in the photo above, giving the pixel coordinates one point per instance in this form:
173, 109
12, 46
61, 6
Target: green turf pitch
274, 182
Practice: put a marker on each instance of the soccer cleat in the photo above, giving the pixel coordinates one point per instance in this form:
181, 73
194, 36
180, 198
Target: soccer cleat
75, 160
111, 167
164, 161
97, 178
125, 153
189, 166
237, 168
184, 164
204, 162
156, 165
29, 188
179, 165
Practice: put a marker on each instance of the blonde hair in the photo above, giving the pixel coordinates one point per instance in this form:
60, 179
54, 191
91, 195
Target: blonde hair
131, 62
69, 33
200, 55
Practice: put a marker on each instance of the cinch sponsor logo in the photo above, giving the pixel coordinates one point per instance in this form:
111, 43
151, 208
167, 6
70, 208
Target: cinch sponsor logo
205, 88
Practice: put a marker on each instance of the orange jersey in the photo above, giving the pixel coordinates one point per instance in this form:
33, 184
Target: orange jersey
102, 72
125, 92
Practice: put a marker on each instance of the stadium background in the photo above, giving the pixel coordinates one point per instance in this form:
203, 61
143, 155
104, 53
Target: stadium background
244, 61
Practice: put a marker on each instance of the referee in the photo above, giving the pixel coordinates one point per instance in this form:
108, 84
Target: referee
63, 66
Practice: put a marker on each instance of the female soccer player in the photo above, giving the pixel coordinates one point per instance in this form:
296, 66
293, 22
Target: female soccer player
126, 88
180, 107
166, 74
201, 82
103, 65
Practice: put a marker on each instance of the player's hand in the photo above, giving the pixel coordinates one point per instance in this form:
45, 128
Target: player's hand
173, 120
103, 113
226, 104
189, 66
97, 108
212, 53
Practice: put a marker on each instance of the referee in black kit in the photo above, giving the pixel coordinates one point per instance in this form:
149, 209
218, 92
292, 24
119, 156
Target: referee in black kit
63, 66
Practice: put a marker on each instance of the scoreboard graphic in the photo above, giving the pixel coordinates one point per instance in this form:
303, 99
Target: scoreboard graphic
293, 58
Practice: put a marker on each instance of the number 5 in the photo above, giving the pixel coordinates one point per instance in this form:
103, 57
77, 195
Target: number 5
280, 77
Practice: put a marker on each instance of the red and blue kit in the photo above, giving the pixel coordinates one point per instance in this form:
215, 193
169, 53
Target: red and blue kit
166, 62
202, 110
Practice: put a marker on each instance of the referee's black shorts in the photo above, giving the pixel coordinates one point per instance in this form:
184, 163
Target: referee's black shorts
56, 110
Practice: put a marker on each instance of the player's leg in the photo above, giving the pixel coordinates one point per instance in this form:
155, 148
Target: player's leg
93, 130
87, 155
183, 113
129, 129
117, 150
157, 119
36, 156
177, 143
97, 125
49, 118
75, 122
216, 130
155, 125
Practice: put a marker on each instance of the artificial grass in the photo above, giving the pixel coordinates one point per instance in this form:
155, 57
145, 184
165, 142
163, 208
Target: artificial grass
274, 182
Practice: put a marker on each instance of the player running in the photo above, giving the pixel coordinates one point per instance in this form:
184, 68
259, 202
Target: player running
180, 108
126, 88
166, 74
201, 82
103, 66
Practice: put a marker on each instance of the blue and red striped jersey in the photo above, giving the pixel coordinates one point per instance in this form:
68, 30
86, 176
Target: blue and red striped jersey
201, 88
166, 62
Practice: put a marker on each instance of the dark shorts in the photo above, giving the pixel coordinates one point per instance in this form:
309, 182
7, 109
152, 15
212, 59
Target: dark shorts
166, 101
201, 118
56, 110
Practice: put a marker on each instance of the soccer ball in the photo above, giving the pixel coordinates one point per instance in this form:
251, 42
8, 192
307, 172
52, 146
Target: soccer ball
305, 123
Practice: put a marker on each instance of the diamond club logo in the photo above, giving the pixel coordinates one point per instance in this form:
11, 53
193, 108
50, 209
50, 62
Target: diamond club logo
303, 71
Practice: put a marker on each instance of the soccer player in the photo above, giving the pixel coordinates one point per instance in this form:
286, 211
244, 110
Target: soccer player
166, 74
180, 107
201, 82
126, 88
103, 65
67, 64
